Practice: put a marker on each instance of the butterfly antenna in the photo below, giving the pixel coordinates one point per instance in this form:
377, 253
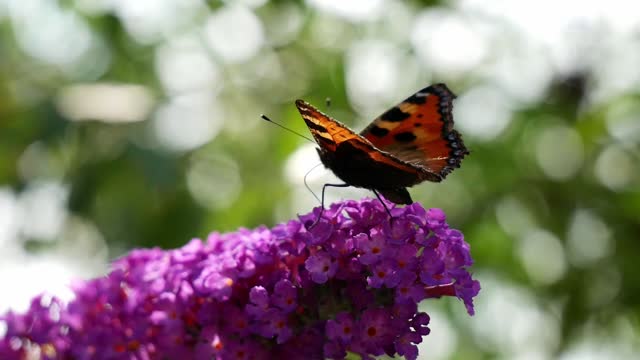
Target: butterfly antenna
264, 117
307, 185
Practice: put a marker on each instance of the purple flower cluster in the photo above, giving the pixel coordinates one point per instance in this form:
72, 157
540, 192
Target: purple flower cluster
350, 284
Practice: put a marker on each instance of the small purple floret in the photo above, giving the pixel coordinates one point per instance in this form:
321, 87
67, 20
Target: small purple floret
321, 266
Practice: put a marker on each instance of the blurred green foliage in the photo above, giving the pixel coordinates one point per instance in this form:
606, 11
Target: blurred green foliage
135, 189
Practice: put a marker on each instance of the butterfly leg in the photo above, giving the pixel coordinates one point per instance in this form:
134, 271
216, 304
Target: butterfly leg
307, 184
383, 204
322, 201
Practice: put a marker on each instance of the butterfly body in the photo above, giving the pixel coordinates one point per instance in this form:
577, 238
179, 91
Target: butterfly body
411, 143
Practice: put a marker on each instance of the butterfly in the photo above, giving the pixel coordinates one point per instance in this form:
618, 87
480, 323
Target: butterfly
412, 142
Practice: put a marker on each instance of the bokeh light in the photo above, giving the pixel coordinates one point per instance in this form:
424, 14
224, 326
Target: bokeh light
559, 151
483, 112
356, 10
234, 33
214, 181
187, 121
543, 257
105, 102
449, 43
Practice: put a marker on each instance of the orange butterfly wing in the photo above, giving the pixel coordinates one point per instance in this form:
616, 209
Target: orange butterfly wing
327, 131
330, 133
419, 131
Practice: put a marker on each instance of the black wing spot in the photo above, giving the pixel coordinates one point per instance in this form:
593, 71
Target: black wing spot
324, 142
405, 137
313, 126
417, 124
378, 131
417, 98
395, 115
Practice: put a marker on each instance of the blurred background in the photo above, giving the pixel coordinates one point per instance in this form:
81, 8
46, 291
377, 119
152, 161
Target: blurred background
130, 124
